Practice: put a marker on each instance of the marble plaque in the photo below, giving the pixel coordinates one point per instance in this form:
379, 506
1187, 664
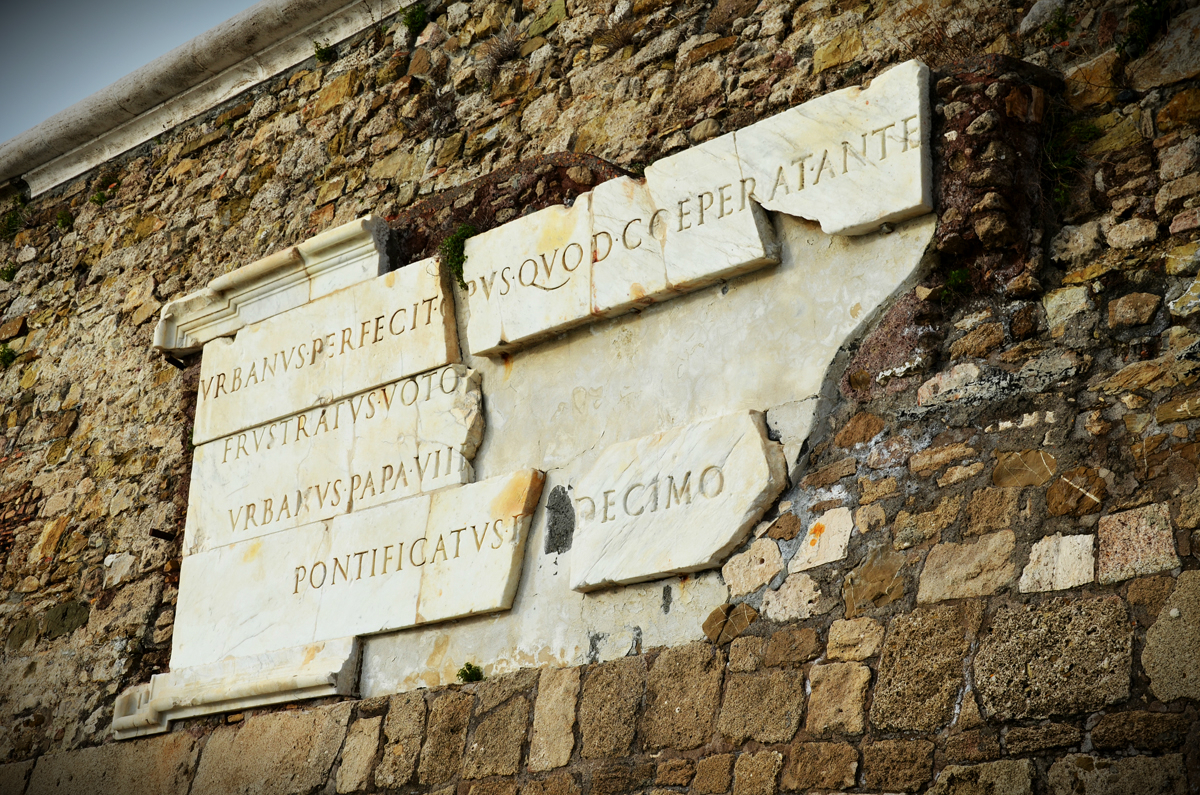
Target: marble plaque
371, 333
410, 436
678, 501
428, 558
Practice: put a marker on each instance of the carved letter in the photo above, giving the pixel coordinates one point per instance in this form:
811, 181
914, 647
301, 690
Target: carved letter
704, 480
625, 235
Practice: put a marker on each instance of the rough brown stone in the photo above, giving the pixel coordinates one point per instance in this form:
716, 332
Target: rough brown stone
404, 729
785, 528
920, 671
977, 745
1144, 731
1065, 656
491, 693
1135, 309
757, 774
745, 653
820, 766
441, 755
766, 706
928, 461
978, 342
992, 509
728, 621
792, 646
1139, 775
495, 748
620, 779
1183, 109
1077, 492
958, 571
1025, 468
675, 773
909, 530
283, 752
862, 427
612, 693
11, 329
1031, 739
1135, 543
713, 775
897, 765
836, 703
683, 691
1172, 654
855, 640
876, 582
1009, 777
830, 474
146, 767
554, 719
491, 786
872, 490
358, 755
562, 783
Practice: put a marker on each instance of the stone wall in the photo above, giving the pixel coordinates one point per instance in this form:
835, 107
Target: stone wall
1010, 452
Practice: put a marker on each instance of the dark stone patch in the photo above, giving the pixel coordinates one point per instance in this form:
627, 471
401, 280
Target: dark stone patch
560, 521
65, 618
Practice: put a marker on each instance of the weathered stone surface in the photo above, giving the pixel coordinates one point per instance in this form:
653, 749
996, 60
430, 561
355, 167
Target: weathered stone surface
562, 783
757, 774
786, 527
148, 767
1030, 739
928, 461
495, 747
910, 530
1145, 731
872, 490
358, 755
714, 774
957, 571
1134, 233
281, 752
1062, 657
820, 766
920, 671
554, 719
1057, 563
1025, 468
978, 342
765, 707
748, 571
830, 474
404, 729
799, 597
1009, 777
856, 639
727, 621
792, 646
992, 509
1092, 82
1077, 245
15, 775
862, 428
492, 692
675, 773
441, 756
1172, 654
1134, 309
745, 654
897, 765
637, 522
825, 542
683, 692
875, 582
1136, 543
836, 703
976, 745
1173, 57
1076, 492
612, 693
1062, 305
1080, 774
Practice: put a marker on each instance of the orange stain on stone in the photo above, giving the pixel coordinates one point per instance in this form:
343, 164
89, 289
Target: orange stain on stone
814, 535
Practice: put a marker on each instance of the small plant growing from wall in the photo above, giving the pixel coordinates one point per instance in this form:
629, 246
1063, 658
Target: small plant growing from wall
8, 272
65, 220
470, 672
1060, 25
451, 251
8, 356
13, 221
99, 198
1147, 19
414, 18
324, 52
502, 47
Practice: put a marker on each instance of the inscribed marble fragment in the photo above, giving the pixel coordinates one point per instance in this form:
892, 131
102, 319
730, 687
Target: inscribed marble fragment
677, 501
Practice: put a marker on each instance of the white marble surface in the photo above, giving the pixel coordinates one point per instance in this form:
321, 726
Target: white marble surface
1059, 562
337, 258
675, 502
371, 333
428, 558
824, 542
630, 268
864, 153
400, 439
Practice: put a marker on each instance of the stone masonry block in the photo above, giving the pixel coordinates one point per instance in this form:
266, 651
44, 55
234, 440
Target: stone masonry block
682, 694
897, 765
820, 766
765, 706
1061, 657
495, 747
441, 756
554, 719
404, 730
14, 776
612, 692
792, 646
836, 703
1172, 654
358, 755
713, 775
920, 670
675, 773
561, 783
1009, 777
1135, 543
1086, 775
143, 767
280, 753
757, 774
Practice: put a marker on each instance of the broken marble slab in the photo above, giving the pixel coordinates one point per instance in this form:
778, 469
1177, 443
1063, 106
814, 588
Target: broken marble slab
853, 159
429, 558
629, 248
372, 333
333, 260
394, 441
825, 542
325, 668
678, 501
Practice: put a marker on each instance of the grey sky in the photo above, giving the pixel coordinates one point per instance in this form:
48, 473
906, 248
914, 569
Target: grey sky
57, 53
